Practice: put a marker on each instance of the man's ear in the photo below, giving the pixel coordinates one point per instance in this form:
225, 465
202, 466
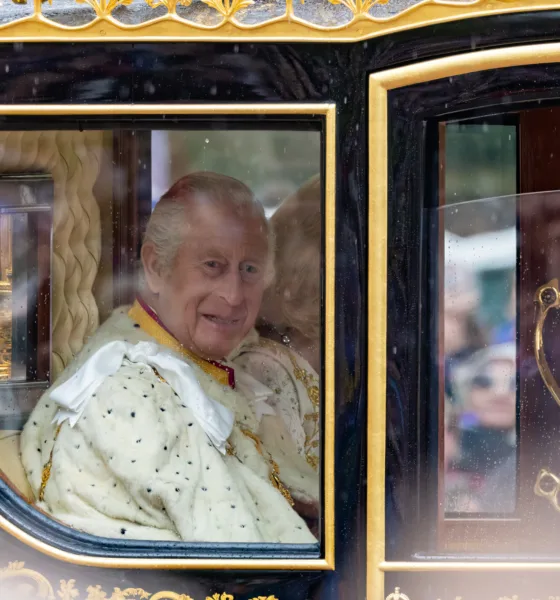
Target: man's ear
152, 271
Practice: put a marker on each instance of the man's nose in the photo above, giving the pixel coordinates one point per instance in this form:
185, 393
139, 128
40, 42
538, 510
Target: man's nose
231, 289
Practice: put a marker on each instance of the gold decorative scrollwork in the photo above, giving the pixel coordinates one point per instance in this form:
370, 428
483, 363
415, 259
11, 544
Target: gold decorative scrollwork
227, 8
364, 22
359, 7
397, 595
67, 589
17, 574
104, 8
547, 486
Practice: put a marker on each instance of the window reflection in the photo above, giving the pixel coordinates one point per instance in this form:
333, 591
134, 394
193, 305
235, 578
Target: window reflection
478, 328
479, 357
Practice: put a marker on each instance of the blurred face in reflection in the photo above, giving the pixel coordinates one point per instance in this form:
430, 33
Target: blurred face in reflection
210, 299
492, 395
454, 331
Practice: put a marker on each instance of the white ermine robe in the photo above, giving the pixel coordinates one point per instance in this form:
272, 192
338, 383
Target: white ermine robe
137, 464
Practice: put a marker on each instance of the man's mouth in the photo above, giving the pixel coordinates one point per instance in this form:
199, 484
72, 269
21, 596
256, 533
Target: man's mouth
221, 320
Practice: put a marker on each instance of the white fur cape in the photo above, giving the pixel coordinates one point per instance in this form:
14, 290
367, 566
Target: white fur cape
137, 465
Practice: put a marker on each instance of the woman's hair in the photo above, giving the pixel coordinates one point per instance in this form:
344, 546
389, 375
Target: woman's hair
169, 222
293, 300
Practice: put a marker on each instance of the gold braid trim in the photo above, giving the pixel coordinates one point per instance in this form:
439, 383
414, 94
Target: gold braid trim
274, 474
46, 474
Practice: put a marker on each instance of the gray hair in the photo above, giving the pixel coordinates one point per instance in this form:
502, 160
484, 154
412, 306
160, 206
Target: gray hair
168, 223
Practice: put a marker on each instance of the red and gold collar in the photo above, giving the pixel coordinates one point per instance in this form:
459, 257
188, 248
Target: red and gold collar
151, 324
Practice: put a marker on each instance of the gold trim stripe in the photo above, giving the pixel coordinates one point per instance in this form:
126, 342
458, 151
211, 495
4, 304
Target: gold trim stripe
155, 330
379, 86
328, 111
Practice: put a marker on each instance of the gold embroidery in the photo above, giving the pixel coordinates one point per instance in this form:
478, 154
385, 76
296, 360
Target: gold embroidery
309, 381
153, 329
46, 474
274, 474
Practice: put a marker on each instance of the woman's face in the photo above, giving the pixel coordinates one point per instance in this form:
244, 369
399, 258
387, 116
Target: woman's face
492, 395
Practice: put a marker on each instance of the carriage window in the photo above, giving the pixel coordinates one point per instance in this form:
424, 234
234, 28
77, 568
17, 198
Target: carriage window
478, 299
160, 306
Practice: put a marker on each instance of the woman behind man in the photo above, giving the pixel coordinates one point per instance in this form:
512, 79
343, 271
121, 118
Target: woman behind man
286, 356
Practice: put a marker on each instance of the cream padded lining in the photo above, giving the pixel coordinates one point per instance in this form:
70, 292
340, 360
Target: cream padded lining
10, 462
73, 159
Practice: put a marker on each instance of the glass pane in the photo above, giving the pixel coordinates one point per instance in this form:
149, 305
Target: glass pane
480, 162
479, 355
184, 353
478, 315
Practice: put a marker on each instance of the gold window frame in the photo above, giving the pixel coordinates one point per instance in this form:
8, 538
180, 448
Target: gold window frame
378, 144
328, 111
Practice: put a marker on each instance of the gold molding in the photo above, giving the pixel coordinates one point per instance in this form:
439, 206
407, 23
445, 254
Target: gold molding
328, 112
68, 591
286, 27
378, 139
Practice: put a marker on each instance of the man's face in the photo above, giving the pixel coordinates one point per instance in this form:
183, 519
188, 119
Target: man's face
212, 296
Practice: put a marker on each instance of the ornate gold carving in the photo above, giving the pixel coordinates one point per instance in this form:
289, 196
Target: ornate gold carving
397, 595
227, 8
359, 7
18, 576
68, 591
547, 486
365, 23
171, 5
104, 8
546, 297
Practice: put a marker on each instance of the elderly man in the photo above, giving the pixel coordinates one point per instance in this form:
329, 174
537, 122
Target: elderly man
150, 433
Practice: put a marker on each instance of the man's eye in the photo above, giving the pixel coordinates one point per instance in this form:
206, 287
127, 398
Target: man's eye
213, 264
251, 269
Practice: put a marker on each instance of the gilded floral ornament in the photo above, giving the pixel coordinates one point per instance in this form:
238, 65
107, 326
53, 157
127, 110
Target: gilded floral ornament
397, 595
95, 593
227, 8
15, 566
171, 5
119, 594
359, 7
68, 590
104, 8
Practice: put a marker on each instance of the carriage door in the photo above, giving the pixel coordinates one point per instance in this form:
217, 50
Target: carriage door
472, 201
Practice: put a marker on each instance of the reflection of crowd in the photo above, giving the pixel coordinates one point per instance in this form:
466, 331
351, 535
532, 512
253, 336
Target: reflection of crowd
480, 406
